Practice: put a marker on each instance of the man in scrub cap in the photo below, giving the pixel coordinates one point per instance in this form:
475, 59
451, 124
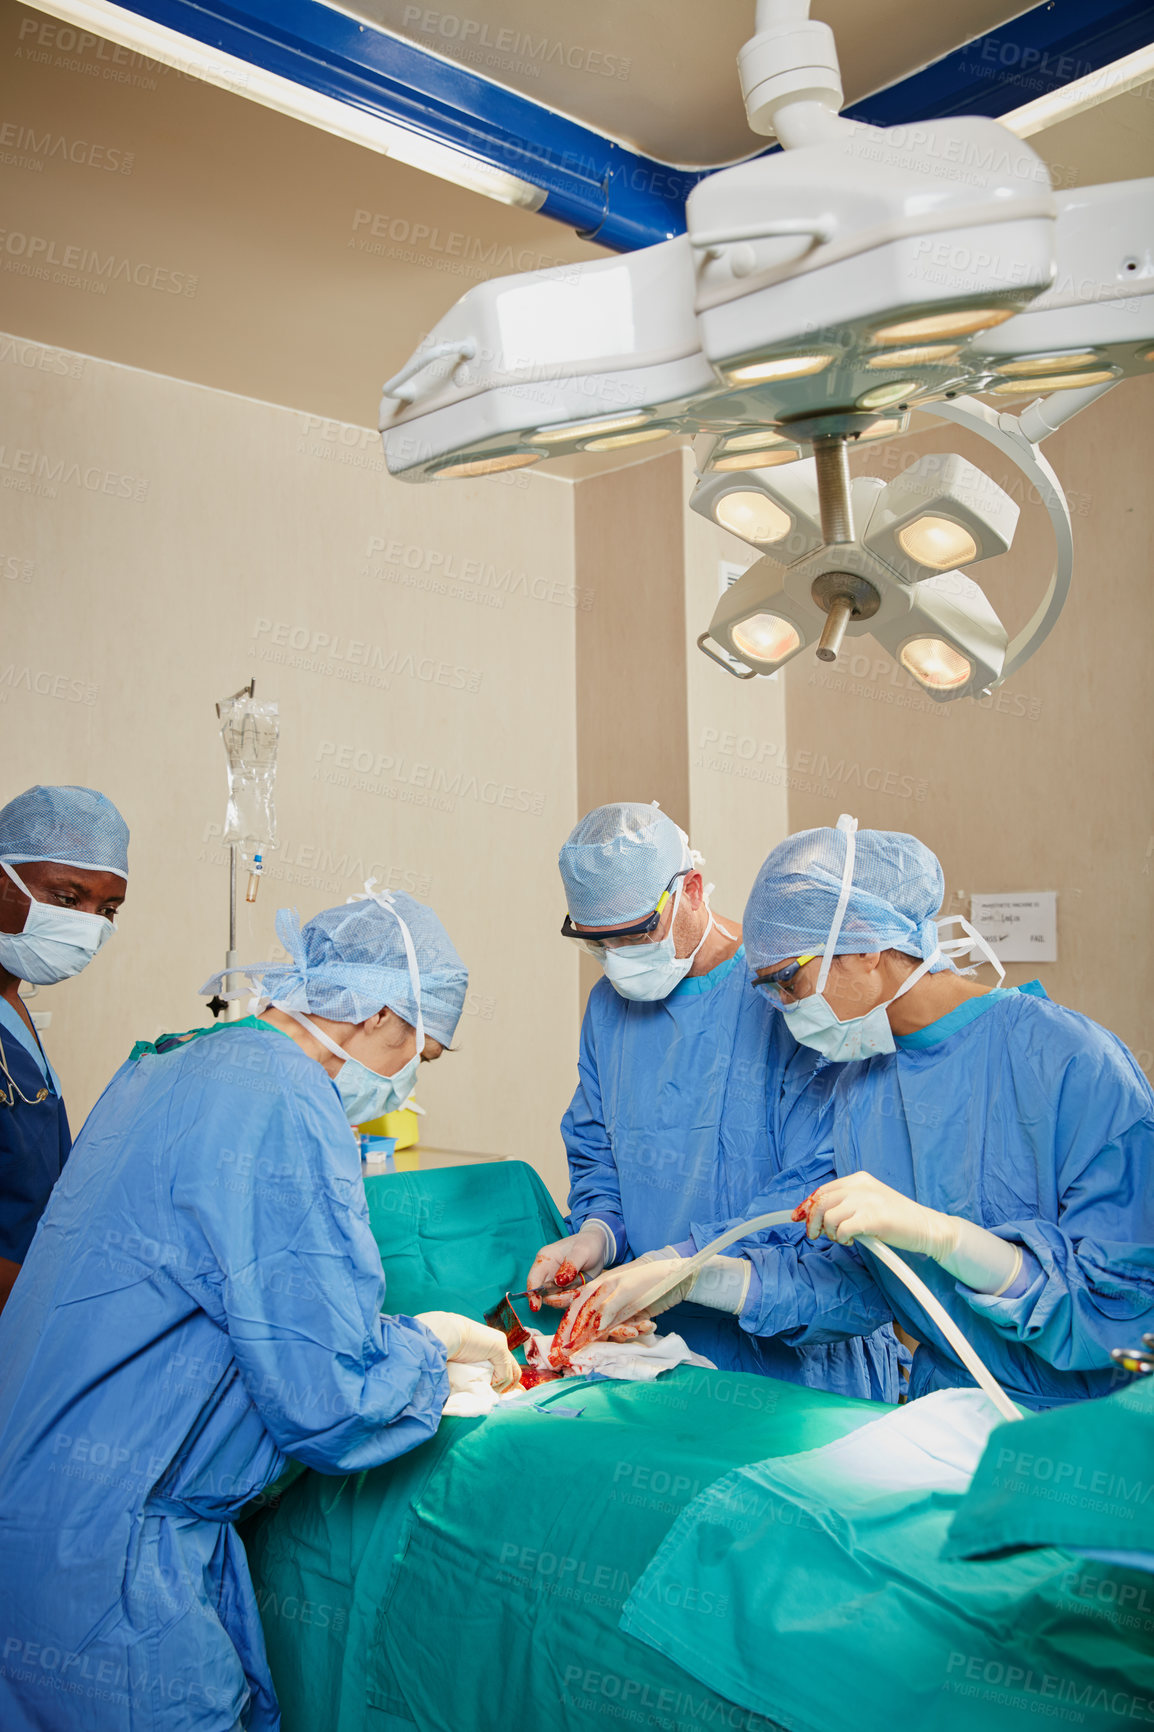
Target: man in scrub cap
201, 1307
687, 1081
1007, 1141
63, 877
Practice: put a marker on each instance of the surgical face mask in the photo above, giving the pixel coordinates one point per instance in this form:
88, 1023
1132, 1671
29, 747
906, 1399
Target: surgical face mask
365, 1094
55, 943
650, 971
812, 1021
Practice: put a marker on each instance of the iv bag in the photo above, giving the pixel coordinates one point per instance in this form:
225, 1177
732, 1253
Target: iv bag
250, 731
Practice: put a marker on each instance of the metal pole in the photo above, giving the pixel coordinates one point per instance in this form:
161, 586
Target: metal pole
833, 631
232, 1010
832, 463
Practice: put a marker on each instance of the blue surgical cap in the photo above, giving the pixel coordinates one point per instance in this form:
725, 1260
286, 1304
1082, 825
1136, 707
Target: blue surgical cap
350, 962
617, 862
897, 889
72, 826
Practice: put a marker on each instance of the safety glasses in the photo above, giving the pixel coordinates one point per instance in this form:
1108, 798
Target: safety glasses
640, 929
778, 983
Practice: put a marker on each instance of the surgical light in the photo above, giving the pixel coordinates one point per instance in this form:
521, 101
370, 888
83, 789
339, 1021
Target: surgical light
1027, 365
959, 323
779, 367
713, 331
931, 287
937, 543
766, 637
935, 664
927, 355
491, 465
756, 459
753, 516
581, 429
615, 441
877, 557
752, 441
940, 513
1052, 382
1100, 305
883, 396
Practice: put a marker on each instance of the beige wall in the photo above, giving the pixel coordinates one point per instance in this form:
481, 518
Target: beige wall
161, 543
1049, 784
631, 694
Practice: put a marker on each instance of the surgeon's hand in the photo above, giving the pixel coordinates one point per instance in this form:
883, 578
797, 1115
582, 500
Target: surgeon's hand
846, 1208
585, 1252
612, 1308
859, 1203
474, 1343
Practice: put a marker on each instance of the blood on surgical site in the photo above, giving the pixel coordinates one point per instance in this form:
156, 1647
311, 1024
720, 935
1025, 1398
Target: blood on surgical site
585, 1329
532, 1375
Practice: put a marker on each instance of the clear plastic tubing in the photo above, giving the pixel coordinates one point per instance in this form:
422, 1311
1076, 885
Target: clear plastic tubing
978, 1370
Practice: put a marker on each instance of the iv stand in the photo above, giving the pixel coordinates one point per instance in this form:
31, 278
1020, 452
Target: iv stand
231, 1008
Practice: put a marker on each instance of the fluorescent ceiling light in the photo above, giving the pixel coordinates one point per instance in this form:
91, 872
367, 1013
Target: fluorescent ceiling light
197, 60
1083, 93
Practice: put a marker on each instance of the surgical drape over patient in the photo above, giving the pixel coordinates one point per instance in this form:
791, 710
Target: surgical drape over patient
618, 860
350, 962
69, 825
897, 888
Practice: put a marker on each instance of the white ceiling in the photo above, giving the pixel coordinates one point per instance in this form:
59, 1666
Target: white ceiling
661, 75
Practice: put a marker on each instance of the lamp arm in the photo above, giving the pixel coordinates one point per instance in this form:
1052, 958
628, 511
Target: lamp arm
1006, 435
1046, 414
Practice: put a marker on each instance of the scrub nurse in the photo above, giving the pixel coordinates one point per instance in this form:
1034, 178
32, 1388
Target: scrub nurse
1007, 1142
687, 1079
201, 1306
63, 878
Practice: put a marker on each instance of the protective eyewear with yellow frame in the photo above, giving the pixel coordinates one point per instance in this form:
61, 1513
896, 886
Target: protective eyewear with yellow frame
594, 941
778, 983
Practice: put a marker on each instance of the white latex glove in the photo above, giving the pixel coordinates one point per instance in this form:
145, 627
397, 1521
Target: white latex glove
473, 1342
859, 1203
609, 1308
585, 1252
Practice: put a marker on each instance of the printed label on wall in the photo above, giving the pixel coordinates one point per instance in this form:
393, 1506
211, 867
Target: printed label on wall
1019, 926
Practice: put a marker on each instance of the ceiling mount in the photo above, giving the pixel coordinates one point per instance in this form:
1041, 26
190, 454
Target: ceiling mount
820, 295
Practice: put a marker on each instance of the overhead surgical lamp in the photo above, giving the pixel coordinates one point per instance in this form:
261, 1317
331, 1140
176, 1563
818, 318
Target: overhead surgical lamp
880, 558
819, 296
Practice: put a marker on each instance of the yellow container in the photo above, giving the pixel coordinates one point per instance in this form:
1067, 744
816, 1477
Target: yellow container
404, 1126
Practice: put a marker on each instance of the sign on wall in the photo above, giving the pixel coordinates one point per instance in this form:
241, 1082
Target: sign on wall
1020, 925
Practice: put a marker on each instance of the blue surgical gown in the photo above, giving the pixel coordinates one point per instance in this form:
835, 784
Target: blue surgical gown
201, 1304
681, 1109
1026, 1118
34, 1135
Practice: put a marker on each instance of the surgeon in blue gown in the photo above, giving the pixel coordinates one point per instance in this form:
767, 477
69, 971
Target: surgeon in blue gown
63, 878
201, 1307
688, 1082
1004, 1143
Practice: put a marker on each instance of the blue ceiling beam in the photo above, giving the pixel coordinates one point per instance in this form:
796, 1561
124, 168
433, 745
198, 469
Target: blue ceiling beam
618, 197
1040, 51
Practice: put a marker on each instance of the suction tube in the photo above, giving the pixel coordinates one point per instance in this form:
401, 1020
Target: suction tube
977, 1369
